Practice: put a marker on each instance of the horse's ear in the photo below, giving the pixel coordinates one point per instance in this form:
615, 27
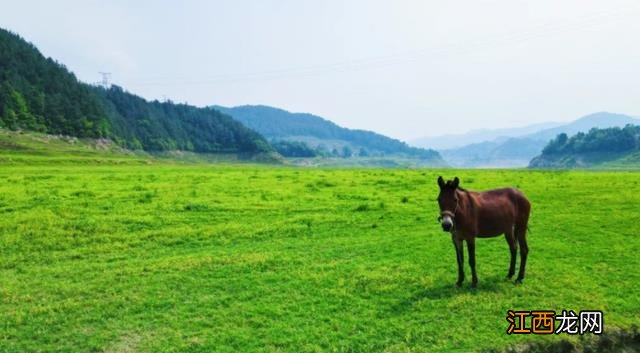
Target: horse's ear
455, 183
440, 182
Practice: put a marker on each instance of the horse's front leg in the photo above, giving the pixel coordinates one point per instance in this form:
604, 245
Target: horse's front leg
457, 244
471, 246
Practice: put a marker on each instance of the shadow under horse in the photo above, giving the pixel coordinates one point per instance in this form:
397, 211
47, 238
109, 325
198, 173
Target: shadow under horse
469, 214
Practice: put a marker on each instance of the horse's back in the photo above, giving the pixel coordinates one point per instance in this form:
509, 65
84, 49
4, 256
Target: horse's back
515, 196
520, 203
502, 208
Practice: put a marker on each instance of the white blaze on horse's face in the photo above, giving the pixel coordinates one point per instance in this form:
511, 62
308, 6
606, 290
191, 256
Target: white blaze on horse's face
447, 222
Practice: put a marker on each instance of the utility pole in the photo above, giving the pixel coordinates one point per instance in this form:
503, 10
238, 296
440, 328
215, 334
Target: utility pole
106, 76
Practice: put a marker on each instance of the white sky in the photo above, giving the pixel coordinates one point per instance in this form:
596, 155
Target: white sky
402, 68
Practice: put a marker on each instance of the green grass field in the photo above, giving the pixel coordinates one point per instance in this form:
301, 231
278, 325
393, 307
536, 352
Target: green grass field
203, 258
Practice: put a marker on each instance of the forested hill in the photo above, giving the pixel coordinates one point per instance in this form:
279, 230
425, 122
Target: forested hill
157, 126
39, 94
612, 147
36, 93
277, 124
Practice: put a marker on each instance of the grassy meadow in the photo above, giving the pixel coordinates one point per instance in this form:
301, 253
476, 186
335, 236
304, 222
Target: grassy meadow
130, 257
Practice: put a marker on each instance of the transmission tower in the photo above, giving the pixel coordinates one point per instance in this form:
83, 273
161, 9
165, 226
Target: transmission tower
106, 76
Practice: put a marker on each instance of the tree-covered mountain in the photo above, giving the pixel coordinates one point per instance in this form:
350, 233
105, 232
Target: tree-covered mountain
156, 126
507, 151
323, 135
598, 147
39, 94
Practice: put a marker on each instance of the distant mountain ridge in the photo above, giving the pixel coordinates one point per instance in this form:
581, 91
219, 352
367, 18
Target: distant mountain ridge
518, 151
278, 124
500, 153
451, 141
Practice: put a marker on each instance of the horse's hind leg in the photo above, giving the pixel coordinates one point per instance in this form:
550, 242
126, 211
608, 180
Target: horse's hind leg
520, 230
471, 246
521, 236
511, 240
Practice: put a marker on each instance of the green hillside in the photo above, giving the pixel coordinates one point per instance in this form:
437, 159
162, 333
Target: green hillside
323, 135
599, 148
35, 148
626, 161
23, 147
39, 94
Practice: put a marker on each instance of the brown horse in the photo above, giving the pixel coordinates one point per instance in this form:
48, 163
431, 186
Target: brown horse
468, 214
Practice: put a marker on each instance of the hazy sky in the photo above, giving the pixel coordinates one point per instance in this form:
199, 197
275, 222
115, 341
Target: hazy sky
402, 68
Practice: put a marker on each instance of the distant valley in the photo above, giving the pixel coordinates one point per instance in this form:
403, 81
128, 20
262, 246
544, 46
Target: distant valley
304, 135
452, 141
509, 148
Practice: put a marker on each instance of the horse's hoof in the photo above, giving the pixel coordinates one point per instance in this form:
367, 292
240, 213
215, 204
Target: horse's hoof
459, 284
509, 276
518, 281
474, 285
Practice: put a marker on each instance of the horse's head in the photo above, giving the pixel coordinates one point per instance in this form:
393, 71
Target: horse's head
448, 202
